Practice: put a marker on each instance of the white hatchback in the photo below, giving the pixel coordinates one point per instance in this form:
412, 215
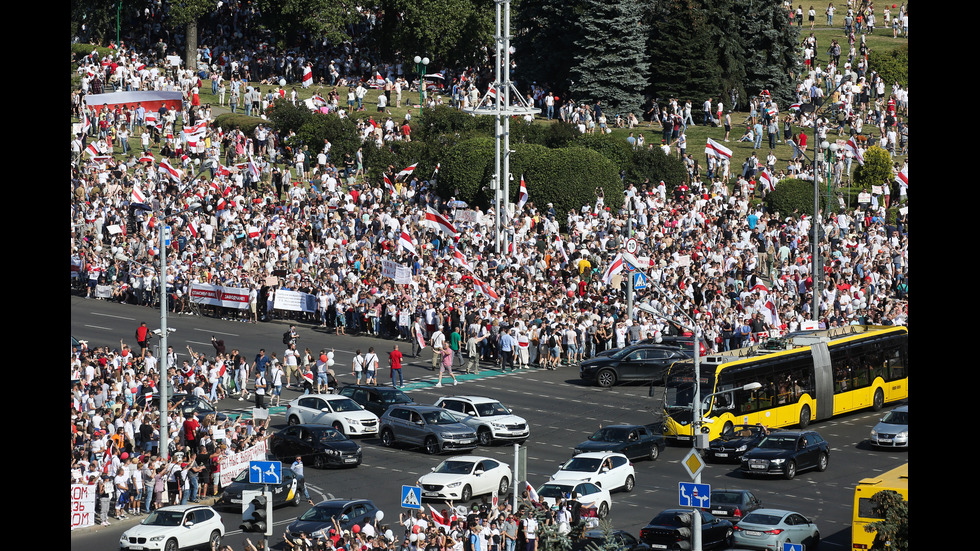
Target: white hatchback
176, 527
464, 476
612, 471
340, 412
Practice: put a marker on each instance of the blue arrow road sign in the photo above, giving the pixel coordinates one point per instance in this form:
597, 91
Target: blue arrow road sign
693, 495
265, 472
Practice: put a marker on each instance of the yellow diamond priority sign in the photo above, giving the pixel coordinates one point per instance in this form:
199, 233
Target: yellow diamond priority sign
693, 463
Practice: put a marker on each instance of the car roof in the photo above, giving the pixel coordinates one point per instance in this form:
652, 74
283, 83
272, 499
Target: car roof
327, 397
417, 407
342, 502
183, 508
774, 512
471, 458
597, 455
473, 399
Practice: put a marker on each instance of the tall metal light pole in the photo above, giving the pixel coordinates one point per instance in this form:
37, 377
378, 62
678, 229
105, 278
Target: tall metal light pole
165, 369
421, 63
499, 103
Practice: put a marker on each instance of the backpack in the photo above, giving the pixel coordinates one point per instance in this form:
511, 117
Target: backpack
286, 337
552, 341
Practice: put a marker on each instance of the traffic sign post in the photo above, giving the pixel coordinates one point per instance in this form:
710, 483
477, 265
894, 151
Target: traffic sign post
412, 497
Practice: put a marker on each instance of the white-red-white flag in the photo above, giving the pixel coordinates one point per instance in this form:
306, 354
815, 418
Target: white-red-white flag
405, 242
458, 258
193, 228
903, 176
307, 76
484, 287
614, 268
767, 180
138, 196
715, 149
439, 222
852, 146
522, 197
166, 169
406, 171
389, 186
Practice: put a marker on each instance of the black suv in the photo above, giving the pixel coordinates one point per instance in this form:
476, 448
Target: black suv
639, 362
786, 453
376, 399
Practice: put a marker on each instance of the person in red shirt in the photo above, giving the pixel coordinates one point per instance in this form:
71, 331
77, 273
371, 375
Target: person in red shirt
142, 336
395, 362
190, 431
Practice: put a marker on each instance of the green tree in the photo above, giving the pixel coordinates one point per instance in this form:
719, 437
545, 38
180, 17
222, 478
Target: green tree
892, 65
792, 197
451, 32
769, 51
654, 165
683, 54
876, 170
341, 133
286, 117
610, 55
321, 19
95, 20
543, 37
892, 531
186, 14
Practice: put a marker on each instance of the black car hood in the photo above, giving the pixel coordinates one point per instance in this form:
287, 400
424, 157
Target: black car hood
733, 442
307, 526
762, 453
344, 446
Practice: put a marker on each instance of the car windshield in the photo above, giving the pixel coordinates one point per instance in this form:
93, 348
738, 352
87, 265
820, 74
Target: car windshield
762, 518
896, 418
394, 397
454, 467
345, 404
164, 518
323, 513
328, 435
742, 431
491, 408
438, 418
786, 442
582, 464
554, 490
610, 434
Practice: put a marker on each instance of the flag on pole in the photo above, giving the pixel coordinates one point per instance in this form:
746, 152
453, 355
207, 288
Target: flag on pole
531, 493
435, 172
166, 169
561, 246
389, 186
768, 180
852, 146
405, 242
485, 288
522, 198
193, 228
614, 268
458, 258
138, 195
903, 176
406, 171
439, 222
715, 149
307, 76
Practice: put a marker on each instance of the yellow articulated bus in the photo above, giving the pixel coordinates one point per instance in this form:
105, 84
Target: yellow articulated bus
805, 376
897, 480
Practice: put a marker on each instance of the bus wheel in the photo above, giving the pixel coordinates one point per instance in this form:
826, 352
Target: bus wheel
804, 417
878, 401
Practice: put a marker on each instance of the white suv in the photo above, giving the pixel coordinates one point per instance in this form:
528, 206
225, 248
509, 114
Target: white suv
176, 527
340, 412
491, 419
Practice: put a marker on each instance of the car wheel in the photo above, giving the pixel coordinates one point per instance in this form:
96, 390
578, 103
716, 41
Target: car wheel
630, 483
606, 378
387, 438
814, 542
654, 452
319, 462
431, 445
822, 462
171, 545
295, 500
293, 420
804, 416
339, 426
603, 509
485, 436
503, 487
878, 401
790, 471
466, 494
214, 541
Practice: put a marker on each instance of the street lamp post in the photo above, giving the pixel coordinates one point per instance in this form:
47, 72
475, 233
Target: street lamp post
420, 65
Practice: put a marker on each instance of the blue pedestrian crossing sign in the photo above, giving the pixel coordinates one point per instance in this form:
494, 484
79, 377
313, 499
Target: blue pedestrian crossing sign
690, 494
640, 281
265, 472
412, 497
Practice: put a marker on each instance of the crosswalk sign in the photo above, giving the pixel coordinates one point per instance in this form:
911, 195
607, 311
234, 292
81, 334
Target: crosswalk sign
412, 497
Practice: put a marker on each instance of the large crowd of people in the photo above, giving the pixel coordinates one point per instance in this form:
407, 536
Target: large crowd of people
318, 225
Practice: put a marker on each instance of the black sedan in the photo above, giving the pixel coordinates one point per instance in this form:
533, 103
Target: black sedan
621, 540
786, 453
641, 362
318, 445
733, 504
317, 521
633, 441
671, 529
734, 441
376, 399
286, 492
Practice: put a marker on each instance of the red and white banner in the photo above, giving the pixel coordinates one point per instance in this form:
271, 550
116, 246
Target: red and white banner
715, 149
406, 171
439, 222
307, 76
768, 180
903, 176
82, 505
484, 287
151, 100
405, 242
217, 295
389, 186
851, 146
233, 465
167, 170
613, 269
458, 258
522, 198
138, 195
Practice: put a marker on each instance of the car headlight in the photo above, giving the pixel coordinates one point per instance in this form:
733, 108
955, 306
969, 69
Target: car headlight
319, 534
498, 426
874, 433
903, 434
123, 538
157, 538
453, 484
777, 461
353, 421
741, 448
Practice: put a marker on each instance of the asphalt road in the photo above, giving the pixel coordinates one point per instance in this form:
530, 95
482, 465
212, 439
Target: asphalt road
561, 412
